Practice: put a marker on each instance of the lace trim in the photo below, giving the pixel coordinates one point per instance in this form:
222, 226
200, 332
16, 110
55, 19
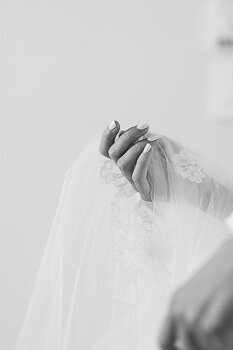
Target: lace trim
188, 167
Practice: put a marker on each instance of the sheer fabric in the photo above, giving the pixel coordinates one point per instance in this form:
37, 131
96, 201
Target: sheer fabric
113, 260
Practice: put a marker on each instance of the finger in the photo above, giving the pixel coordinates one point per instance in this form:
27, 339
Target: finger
108, 138
121, 132
139, 175
202, 339
128, 161
144, 137
167, 338
126, 140
201, 342
185, 340
191, 335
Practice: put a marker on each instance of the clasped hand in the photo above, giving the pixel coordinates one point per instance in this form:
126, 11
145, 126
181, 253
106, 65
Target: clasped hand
131, 153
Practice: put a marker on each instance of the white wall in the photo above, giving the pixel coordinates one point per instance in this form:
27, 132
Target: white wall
67, 68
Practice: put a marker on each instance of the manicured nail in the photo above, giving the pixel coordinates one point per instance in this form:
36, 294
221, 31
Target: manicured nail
147, 148
144, 137
143, 125
153, 138
112, 125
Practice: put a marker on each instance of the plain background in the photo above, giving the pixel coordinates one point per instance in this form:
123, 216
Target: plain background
67, 68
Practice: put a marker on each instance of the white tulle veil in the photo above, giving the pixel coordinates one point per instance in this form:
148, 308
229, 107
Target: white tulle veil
112, 261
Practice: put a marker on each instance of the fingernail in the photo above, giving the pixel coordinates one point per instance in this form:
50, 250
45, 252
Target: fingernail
144, 137
147, 148
152, 138
143, 125
112, 125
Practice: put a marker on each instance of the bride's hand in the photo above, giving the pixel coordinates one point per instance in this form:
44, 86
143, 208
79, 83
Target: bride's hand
200, 315
131, 154
175, 173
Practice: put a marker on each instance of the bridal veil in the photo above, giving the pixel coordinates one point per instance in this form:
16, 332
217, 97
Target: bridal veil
112, 260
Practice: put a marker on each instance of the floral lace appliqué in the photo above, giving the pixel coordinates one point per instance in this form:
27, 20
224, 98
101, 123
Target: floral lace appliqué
112, 175
140, 252
188, 167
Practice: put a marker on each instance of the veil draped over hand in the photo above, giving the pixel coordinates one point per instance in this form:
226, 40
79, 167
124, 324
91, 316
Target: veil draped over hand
112, 260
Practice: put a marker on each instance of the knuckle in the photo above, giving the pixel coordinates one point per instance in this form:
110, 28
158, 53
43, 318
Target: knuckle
127, 134
123, 165
139, 145
119, 164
